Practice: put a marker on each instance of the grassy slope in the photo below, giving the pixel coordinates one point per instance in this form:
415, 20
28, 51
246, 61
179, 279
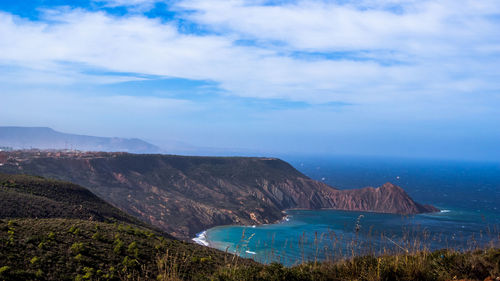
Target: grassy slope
23, 196
53, 230
68, 249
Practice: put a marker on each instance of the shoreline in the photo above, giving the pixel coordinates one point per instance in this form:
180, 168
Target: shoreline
201, 238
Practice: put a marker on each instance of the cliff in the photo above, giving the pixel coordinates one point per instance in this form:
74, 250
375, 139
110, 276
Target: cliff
184, 195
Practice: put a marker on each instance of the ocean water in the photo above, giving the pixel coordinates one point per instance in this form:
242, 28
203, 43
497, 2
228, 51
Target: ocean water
468, 193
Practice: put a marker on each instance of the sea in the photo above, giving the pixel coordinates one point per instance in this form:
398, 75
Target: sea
467, 193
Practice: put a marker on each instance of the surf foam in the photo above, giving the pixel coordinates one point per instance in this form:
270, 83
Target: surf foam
201, 238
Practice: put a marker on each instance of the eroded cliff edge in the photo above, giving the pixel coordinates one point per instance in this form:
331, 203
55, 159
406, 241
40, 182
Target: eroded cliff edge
184, 195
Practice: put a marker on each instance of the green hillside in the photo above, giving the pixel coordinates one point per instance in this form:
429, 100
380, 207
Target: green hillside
69, 249
53, 230
23, 196
72, 249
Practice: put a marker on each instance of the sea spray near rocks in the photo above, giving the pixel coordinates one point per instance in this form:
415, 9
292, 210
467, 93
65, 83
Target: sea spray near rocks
201, 239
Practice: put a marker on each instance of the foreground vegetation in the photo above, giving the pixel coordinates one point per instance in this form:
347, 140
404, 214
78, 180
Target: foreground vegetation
51, 230
69, 249
438, 265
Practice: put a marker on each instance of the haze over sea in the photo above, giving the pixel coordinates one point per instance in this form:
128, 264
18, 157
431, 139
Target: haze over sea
468, 193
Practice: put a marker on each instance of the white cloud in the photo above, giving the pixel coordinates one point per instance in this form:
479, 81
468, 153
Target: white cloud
134, 5
416, 27
438, 48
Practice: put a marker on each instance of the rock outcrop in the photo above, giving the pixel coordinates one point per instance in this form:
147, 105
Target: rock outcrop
184, 195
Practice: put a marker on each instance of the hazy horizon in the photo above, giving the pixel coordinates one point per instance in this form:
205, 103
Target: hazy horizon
416, 79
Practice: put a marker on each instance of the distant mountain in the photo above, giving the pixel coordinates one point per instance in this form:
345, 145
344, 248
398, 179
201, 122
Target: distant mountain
184, 194
47, 138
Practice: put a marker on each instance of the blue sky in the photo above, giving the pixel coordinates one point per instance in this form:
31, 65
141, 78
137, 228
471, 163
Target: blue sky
384, 77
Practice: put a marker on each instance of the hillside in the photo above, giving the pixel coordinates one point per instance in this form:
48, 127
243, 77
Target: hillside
47, 138
185, 195
73, 246
64, 249
24, 196
52, 230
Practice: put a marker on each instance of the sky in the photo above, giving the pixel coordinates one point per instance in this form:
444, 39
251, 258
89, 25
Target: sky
399, 78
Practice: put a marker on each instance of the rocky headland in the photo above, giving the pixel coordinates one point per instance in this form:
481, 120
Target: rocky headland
184, 195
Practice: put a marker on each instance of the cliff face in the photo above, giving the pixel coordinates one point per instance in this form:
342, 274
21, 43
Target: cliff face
387, 198
184, 195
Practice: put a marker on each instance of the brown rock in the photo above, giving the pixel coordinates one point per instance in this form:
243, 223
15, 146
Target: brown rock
185, 195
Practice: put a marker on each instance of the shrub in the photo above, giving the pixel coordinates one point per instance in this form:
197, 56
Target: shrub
133, 249
77, 247
35, 260
89, 273
129, 262
4, 270
79, 257
74, 230
97, 236
118, 246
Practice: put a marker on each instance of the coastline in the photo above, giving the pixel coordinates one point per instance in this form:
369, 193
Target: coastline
201, 238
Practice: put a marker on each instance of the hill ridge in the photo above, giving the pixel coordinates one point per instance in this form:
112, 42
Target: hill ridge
184, 195
48, 138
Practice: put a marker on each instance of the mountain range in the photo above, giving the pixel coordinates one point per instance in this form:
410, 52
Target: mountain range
47, 138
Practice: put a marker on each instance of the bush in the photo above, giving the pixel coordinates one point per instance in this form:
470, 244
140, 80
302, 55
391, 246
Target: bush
118, 246
133, 249
97, 236
4, 270
89, 273
74, 230
35, 260
77, 248
129, 262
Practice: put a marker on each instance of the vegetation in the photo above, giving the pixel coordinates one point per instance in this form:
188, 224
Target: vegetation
70, 255
144, 255
23, 196
99, 242
439, 265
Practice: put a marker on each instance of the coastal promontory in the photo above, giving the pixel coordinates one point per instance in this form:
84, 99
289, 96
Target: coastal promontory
184, 195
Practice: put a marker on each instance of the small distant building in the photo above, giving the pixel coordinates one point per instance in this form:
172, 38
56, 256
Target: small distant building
6, 148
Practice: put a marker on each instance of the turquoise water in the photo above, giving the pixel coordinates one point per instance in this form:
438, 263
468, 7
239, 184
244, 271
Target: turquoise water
468, 194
